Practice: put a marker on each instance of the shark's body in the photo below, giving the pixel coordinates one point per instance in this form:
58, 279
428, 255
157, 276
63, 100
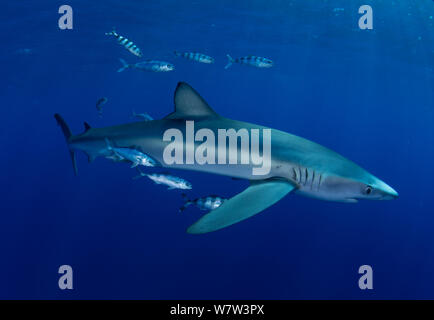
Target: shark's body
297, 164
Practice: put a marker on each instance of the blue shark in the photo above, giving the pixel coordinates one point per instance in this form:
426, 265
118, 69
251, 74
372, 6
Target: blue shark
298, 166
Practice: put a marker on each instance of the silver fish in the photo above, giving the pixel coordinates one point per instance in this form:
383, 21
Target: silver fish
195, 56
204, 203
129, 45
133, 155
171, 181
148, 65
254, 61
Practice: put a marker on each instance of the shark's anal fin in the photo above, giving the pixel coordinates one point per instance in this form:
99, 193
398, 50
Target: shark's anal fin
256, 198
189, 104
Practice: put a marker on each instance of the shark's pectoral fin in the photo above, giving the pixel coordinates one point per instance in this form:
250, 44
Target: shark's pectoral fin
256, 198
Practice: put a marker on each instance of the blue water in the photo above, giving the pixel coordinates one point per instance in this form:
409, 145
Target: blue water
367, 94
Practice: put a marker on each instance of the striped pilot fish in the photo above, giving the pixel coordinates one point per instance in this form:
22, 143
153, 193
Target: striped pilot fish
162, 178
134, 156
195, 56
148, 65
254, 61
205, 203
129, 45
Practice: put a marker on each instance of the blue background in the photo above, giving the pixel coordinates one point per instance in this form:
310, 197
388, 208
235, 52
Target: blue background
367, 94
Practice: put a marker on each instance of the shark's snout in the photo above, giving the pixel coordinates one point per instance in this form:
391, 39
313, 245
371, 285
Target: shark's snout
392, 194
387, 192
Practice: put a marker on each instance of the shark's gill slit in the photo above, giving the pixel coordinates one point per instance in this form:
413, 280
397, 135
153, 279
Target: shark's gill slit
294, 174
300, 177
313, 179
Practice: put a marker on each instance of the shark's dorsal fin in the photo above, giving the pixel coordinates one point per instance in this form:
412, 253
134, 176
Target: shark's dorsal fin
189, 104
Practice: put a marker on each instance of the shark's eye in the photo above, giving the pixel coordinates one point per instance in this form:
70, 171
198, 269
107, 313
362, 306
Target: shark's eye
368, 190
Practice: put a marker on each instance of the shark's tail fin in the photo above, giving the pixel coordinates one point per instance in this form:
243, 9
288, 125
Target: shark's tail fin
125, 65
186, 204
67, 133
230, 61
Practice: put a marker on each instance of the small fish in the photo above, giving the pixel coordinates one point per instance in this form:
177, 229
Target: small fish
144, 116
171, 181
99, 104
254, 61
195, 56
129, 45
211, 202
133, 155
148, 65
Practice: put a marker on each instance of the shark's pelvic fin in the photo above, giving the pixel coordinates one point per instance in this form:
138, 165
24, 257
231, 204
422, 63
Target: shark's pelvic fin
189, 104
256, 198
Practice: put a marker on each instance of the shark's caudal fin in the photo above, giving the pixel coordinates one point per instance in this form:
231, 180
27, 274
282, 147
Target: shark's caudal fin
256, 198
67, 133
230, 61
125, 65
189, 104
